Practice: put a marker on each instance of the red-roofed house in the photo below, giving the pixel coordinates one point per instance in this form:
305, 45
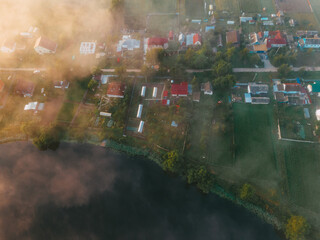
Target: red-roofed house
196, 39
116, 90
24, 88
275, 39
170, 37
1, 86
157, 42
44, 45
179, 89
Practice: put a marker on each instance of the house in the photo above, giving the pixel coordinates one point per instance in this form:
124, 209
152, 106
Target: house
267, 23
254, 39
245, 19
196, 96
45, 46
8, 46
259, 48
87, 48
292, 93
24, 88
254, 88
1, 86
179, 89
139, 112
309, 43
157, 42
260, 100
34, 106
233, 37
292, 23
116, 90
128, 44
171, 35
280, 13
61, 84
206, 88
219, 42
193, 39
275, 39
209, 28
314, 88
140, 128
318, 114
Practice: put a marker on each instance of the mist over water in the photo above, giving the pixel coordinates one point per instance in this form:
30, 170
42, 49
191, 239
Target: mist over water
87, 192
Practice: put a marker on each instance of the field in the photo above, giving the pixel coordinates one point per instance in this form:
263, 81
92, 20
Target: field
66, 112
268, 5
303, 171
295, 6
316, 8
305, 20
255, 153
228, 5
250, 6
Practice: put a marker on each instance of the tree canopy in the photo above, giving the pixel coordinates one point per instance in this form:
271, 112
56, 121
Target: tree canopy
172, 162
296, 228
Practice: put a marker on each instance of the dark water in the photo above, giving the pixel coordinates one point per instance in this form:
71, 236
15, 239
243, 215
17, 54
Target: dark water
86, 192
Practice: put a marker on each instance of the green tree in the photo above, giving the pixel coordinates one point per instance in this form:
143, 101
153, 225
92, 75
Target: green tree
296, 228
47, 139
222, 68
201, 177
247, 192
224, 82
155, 56
230, 53
284, 70
172, 162
117, 5
92, 85
244, 54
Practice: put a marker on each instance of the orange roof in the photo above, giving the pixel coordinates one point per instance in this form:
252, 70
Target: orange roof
262, 47
116, 89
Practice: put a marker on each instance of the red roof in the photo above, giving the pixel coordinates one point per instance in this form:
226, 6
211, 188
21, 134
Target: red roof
46, 43
196, 38
157, 41
276, 41
116, 89
165, 94
179, 89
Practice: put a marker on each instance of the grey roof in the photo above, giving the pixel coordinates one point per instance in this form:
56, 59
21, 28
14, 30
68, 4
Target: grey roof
260, 100
258, 88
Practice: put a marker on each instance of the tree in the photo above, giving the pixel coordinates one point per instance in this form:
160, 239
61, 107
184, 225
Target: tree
247, 192
92, 85
224, 82
47, 139
155, 56
230, 52
284, 70
121, 72
244, 54
172, 162
117, 5
201, 177
195, 84
296, 228
222, 68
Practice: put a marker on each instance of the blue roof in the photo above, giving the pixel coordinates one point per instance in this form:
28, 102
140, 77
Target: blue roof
208, 28
247, 97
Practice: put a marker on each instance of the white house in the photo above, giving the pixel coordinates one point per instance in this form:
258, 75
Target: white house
8, 46
318, 114
143, 91
139, 113
35, 106
45, 46
87, 48
140, 129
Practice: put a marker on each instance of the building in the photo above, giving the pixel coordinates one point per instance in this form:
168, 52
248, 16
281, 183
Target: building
193, 39
292, 23
141, 125
196, 96
245, 19
318, 114
179, 89
116, 90
254, 39
143, 91
309, 43
139, 113
1, 86
170, 36
8, 46
61, 84
155, 92
45, 46
34, 106
233, 37
314, 88
87, 48
128, 44
275, 39
157, 42
255, 89
259, 48
209, 28
292, 93
219, 42
24, 88
260, 100
206, 88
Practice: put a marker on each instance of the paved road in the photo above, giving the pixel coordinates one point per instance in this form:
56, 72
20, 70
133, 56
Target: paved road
309, 69
23, 69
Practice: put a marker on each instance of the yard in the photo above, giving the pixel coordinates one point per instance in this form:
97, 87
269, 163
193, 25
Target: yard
255, 150
67, 111
228, 5
77, 89
250, 6
268, 5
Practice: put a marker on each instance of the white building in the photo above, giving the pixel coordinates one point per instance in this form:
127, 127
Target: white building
127, 43
34, 106
8, 46
87, 48
140, 129
139, 113
155, 92
318, 114
45, 46
143, 91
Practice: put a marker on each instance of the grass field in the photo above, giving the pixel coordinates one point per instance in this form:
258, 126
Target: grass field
250, 6
303, 171
306, 21
316, 8
66, 112
228, 5
268, 5
77, 89
255, 153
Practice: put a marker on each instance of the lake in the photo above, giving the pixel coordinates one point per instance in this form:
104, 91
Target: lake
86, 192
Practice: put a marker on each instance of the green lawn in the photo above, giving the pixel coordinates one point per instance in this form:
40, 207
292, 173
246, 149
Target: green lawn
77, 89
255, 154
67, 111
250, 6
303, 171
268, 5
228, 5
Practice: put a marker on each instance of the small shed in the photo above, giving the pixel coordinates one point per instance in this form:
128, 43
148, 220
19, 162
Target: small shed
139, 111
247, 97
155, 92
143, 91
140, 129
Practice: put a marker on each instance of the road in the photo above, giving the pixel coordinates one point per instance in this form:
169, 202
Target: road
23, 69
